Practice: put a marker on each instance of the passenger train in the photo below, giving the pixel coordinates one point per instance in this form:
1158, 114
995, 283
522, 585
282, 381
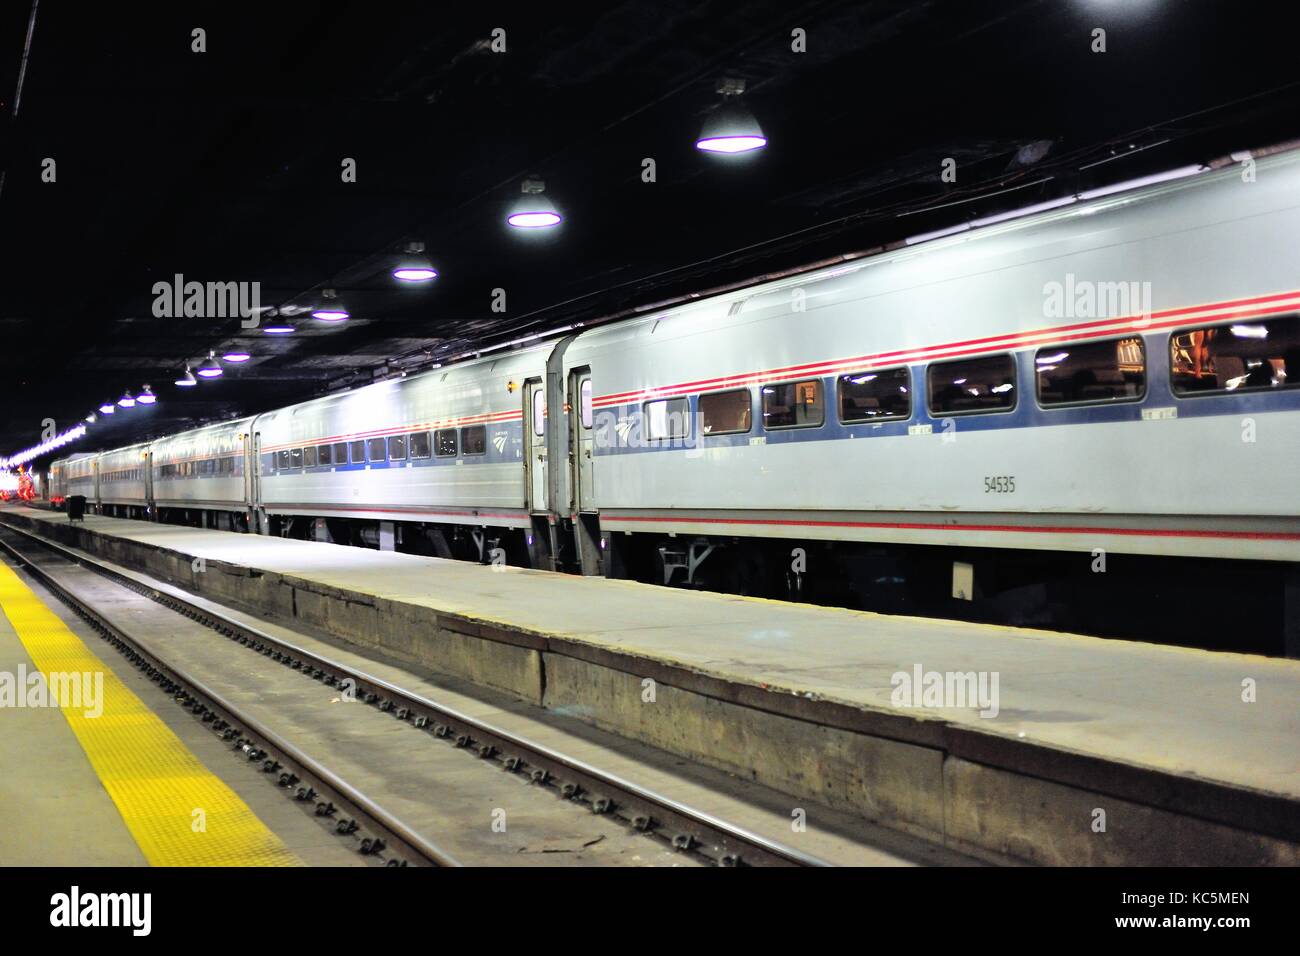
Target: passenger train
1119, 376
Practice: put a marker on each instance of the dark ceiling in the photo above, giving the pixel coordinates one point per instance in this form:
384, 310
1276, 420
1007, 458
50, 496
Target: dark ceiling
225, 165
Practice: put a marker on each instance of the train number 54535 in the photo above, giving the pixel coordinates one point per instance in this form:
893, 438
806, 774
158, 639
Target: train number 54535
999, 484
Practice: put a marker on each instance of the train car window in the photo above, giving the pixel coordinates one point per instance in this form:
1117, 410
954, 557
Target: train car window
584, 403
668, 418
295, 457
726, 413
358, 452
444, 442
984, 384
397, 448
419, 444
1247, 356
375, 449
340, 453
473, 440
539, 412
309, 456
281, 460
1072, 374
325, 454
876, 395
794, 405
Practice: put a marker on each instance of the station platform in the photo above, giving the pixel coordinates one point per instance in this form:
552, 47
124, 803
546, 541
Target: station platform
1080, 751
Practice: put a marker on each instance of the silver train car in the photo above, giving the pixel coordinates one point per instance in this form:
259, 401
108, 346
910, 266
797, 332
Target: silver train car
442, 449
203, 476
1117, 376
75, 475
125, 481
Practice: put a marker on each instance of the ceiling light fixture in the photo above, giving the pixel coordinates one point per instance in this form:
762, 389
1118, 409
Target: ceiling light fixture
731, 128
187, 379
331, 309
279, 328
533, 210
236, 357
146, 396
210, 368
90, 419
107, 408
127, 400
414, 265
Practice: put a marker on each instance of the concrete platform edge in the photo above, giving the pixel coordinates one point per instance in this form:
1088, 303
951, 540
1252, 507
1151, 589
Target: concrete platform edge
975, 792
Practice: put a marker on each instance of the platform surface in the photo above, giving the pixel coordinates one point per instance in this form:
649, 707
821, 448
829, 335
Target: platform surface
116, 781
57, 813
1164, 708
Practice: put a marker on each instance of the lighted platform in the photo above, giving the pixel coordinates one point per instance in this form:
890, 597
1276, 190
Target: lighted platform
1185, 756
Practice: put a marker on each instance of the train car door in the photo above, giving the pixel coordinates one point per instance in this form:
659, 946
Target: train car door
258, 522
582, 472
252, 458
583, 443
535, 443
150, 508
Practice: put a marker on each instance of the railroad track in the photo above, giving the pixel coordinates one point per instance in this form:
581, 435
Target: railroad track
375, 831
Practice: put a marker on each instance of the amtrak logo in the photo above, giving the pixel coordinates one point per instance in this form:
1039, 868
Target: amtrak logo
499, 442
623, 426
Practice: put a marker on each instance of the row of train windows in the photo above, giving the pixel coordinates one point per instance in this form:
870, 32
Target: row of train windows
441, 443
208, 467
1247, 356
125, 474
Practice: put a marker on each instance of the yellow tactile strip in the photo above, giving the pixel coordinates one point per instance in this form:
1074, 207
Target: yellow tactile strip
179, 813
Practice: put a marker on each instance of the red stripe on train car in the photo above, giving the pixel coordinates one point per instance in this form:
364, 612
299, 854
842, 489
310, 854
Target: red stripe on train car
922, 526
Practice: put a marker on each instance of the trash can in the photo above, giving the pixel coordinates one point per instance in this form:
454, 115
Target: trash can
77, 508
